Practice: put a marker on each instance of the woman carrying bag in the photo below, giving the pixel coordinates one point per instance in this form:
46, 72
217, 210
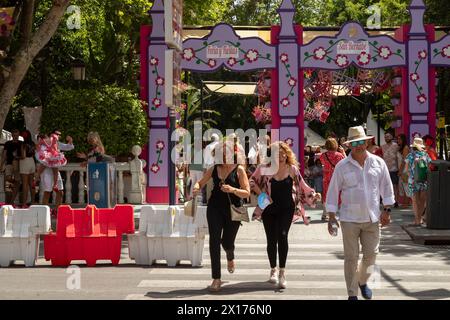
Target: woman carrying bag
231, 186
287, 192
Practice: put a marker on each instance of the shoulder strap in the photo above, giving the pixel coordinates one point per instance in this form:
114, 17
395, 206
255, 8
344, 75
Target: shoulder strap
328, 159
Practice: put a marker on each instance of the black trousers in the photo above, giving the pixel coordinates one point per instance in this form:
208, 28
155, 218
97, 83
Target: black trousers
277, 222
222, 231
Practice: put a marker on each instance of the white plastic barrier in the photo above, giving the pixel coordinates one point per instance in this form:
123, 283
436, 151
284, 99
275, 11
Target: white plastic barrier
165, 233
19, 233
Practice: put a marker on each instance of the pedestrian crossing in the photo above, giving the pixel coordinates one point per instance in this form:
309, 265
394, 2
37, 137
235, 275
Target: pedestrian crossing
314, 271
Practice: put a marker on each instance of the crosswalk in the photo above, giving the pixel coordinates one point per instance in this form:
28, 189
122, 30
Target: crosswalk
314, 271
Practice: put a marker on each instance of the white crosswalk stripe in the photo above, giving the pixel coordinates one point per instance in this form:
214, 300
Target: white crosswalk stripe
314, 271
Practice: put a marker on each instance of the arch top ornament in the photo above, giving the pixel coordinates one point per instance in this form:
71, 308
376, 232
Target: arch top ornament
353, 45
223, 47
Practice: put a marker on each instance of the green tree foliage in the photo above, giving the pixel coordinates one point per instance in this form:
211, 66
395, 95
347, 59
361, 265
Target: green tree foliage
114, 112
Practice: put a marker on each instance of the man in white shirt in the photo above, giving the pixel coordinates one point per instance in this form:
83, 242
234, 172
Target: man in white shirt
361, 178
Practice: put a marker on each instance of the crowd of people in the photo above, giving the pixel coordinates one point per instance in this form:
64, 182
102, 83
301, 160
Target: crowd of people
352, 176
29, 162
400, 158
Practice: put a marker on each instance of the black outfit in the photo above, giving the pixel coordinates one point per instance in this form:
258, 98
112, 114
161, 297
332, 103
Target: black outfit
13, 150
222, 230
277, 220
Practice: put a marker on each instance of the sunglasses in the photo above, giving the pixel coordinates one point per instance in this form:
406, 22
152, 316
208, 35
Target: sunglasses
357, 143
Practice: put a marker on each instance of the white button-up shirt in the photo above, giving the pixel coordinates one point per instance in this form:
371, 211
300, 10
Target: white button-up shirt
361, 188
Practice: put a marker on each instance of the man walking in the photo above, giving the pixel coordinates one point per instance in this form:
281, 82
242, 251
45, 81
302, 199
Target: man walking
361, 178
390, 151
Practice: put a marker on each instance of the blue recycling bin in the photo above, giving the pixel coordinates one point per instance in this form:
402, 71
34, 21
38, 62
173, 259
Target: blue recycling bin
102, 184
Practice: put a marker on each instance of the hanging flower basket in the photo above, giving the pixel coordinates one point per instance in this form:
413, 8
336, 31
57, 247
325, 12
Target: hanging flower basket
262, 115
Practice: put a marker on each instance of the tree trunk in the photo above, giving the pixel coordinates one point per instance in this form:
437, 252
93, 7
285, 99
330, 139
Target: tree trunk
26, 54
26, 21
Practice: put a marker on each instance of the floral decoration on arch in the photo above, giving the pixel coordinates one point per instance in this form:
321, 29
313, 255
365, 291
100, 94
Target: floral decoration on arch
444, 52
343, 61
291, 80
262, 115
250, 56
159, 81
414, 77
160, 146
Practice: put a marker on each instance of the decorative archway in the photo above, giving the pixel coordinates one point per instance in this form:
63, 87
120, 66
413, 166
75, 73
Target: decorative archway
413, 52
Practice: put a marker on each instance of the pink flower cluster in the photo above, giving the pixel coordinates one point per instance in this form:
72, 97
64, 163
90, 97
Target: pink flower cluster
262, 114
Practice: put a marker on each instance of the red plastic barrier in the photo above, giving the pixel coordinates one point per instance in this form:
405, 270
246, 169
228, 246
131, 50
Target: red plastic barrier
88, 234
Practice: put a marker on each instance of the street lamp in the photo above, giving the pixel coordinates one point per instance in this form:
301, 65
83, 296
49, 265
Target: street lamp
79, 70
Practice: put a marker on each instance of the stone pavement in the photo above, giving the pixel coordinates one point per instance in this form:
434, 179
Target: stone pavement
314, 271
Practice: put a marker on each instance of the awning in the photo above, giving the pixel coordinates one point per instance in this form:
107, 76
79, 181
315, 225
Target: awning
224, 87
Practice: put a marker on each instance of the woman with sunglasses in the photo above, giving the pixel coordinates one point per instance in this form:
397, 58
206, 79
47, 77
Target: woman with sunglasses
288, 192
230, 185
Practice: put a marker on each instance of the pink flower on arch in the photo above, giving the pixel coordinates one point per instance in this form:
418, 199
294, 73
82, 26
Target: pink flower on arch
423, 54
156, 102
364, 58
289, 142
342, 60
212, 63
154, 61
284, 57
154, 168
384, 52
160, 145
422, 98
252, 55
446, 51
414, 77
231, 62
285, 102
188, 54
292, 82
159, 81
319, 53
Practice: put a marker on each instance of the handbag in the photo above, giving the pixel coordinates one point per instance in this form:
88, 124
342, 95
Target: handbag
237, 213
190, 207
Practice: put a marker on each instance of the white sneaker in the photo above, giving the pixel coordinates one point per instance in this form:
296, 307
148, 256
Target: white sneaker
273, 275
282, 283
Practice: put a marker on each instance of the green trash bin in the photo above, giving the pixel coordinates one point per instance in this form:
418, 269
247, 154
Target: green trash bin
438, 196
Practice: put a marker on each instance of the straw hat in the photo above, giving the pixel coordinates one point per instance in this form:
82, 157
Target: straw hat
356, 134
418, 144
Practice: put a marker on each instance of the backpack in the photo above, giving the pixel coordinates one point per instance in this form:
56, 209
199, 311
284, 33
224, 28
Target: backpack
420, 171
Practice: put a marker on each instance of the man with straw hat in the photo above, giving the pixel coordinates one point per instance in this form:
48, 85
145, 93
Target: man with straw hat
361, 179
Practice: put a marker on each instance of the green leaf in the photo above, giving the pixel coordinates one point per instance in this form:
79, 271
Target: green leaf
238, 44
375, 43
436, 50
306, 54
331, 42
375, 59
292, 94
160, 161
153, 71
399, 51
288, 66
198, 62
241, 63
329, 60
268, 56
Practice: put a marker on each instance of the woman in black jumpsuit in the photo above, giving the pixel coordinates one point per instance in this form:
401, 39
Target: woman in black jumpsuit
230, 180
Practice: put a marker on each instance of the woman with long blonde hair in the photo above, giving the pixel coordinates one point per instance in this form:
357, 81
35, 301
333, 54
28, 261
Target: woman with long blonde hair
230, 185
287, 192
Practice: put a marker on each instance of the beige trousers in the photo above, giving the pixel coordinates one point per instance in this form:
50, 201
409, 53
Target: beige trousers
369, 235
